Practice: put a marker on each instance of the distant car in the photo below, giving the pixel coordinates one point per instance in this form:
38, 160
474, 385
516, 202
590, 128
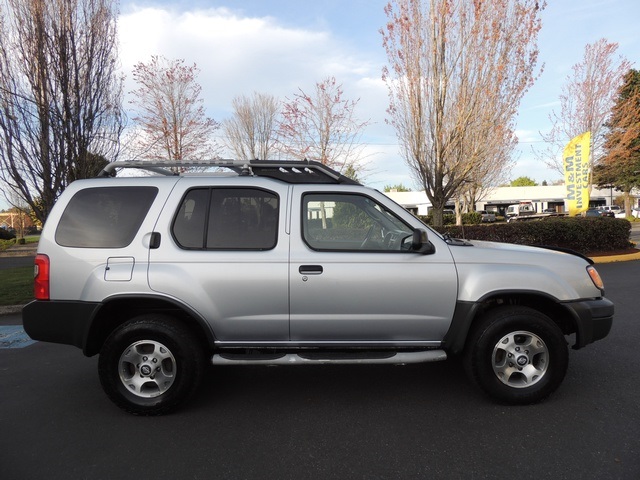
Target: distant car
592, 212
6, 234
635, 212
487, 216
606, 213
520, 209
611, 211
549, 210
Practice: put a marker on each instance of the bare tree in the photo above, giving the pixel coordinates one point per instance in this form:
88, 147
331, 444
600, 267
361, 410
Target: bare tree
457, 72
20, 212
60, 96
487, 176
170, 113
585, 102
251, 132
323, 128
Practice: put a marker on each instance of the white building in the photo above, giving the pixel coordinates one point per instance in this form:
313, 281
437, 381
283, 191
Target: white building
553, 196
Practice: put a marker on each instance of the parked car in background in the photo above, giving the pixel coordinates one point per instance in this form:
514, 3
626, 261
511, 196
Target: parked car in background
592, 212
521, 209
489, 217
7, 233
621, 214
610, 210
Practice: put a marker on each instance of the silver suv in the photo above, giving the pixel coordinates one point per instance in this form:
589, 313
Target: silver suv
287, 263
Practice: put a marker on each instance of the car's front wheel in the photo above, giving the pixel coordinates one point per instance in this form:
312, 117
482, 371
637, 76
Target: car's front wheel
517, 355
150, 365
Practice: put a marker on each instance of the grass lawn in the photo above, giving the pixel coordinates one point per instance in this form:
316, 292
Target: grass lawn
6, 244
16, 286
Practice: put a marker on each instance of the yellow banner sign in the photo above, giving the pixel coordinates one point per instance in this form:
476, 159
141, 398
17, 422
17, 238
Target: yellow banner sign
576, 173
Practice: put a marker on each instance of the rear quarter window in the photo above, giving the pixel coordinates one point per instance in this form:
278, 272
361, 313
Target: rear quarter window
104, 217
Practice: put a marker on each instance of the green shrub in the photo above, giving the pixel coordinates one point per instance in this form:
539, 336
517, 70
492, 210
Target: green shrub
472, 218
9, 235
585, 235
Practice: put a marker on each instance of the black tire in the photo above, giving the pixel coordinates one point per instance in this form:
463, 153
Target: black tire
517, 355
150, 365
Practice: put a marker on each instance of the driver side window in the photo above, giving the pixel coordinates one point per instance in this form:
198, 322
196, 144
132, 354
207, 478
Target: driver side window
343, 222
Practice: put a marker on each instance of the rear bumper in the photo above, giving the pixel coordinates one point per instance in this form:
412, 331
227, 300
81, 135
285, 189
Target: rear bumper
593, 320
59, 321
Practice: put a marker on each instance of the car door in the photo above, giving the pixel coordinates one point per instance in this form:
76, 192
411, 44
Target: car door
225, 253
353, 277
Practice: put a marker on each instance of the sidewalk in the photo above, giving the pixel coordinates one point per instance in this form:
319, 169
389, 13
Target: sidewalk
27, 250
633, 255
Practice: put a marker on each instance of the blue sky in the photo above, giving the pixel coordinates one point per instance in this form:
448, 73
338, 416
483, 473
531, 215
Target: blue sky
278, 46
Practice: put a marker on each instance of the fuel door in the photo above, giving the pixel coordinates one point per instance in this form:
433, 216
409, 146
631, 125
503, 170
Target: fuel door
119, 269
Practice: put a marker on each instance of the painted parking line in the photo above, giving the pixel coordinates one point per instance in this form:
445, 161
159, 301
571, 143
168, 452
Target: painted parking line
14, 336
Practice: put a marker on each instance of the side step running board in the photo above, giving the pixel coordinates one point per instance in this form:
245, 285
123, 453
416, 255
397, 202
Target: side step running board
295, 359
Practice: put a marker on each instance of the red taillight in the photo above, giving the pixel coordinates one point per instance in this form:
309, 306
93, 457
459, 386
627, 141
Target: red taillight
41, 277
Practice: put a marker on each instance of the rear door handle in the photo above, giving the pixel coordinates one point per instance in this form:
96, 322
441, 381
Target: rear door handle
310, 269
154, 240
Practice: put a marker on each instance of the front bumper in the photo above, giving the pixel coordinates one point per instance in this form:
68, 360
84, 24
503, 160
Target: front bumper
593, 320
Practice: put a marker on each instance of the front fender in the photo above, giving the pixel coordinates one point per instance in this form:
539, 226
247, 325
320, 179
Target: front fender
478, 281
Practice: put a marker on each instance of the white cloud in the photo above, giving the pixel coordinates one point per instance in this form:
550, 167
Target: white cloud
527, 136
238, 55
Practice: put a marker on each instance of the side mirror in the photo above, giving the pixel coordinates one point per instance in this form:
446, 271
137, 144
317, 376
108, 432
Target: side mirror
420, 242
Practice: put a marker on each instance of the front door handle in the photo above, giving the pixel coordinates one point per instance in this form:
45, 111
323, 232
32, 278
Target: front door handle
310, 269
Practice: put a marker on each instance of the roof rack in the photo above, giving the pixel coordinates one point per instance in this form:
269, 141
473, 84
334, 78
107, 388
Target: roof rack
290, 171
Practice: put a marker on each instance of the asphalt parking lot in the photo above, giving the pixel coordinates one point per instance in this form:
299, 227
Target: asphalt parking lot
420, 421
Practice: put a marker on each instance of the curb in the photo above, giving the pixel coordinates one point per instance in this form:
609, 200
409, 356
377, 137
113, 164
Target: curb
616, 258
10, 309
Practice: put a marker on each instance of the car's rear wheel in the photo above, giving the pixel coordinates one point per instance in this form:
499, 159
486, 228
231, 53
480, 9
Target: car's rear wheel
150, 365
517, 355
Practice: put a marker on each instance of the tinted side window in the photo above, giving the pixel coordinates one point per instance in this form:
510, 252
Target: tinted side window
348, 222
227, 219
104, 217
188, 226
